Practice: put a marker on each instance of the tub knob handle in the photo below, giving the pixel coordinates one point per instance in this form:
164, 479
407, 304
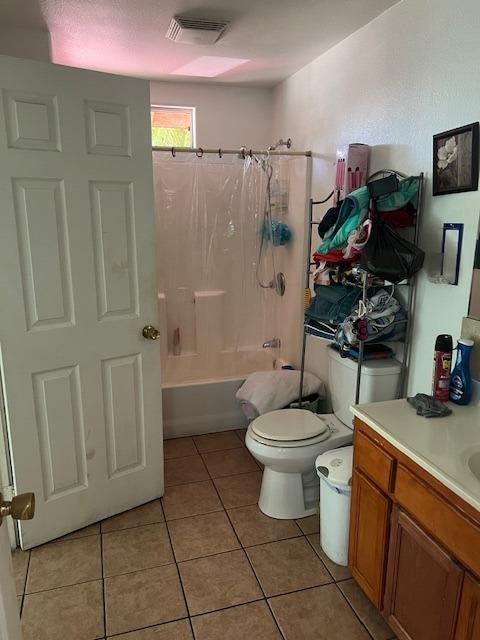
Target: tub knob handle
150, 333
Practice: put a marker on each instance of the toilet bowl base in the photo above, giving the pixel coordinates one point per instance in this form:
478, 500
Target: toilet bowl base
282, 496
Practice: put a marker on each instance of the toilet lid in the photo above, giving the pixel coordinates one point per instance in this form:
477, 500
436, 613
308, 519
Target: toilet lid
289, 424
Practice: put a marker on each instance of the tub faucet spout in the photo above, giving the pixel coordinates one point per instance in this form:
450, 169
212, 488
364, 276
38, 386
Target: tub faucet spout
274, 343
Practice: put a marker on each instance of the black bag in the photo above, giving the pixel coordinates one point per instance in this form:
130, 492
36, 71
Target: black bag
389, 256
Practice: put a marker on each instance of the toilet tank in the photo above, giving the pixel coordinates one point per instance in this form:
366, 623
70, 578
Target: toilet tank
380, 380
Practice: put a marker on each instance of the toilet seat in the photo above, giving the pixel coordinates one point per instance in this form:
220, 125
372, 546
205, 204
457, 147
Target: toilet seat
286, 443
289, 428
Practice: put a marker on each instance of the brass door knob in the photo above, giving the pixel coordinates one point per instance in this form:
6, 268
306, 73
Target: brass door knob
22, 507
150, 332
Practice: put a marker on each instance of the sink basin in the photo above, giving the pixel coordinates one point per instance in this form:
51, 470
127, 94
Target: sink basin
474, 464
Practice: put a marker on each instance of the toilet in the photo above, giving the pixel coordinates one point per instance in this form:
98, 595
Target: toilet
288, 441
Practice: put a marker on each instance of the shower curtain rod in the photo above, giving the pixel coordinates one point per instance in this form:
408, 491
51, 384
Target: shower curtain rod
199, 152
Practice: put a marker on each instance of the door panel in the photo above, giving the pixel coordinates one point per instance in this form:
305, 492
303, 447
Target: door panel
122, 389
116, 277
468, 624
369, 525
41, 219
82, 385
61, 434
423, 584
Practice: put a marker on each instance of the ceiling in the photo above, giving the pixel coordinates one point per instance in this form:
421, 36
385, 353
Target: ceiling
276, 37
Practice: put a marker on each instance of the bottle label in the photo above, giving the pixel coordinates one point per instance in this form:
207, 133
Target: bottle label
441, 375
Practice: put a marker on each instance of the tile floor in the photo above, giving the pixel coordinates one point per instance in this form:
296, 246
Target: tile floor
203, 562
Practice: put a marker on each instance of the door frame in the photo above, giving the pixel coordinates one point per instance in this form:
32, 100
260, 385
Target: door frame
7, 483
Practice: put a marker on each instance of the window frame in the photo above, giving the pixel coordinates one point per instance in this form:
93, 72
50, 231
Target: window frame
182, 109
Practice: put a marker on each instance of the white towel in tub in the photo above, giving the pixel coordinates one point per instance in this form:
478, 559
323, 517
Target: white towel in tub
265, 391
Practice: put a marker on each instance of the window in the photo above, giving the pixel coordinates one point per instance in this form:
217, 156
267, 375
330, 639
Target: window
173, 126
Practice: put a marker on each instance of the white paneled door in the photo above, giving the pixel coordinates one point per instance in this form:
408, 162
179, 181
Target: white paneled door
77, 283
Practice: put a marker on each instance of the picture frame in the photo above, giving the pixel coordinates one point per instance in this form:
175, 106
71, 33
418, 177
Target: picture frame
456, 160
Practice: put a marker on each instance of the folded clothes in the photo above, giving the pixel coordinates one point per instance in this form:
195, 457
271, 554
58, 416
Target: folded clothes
428, 406
333, 304
320, 329
266, 391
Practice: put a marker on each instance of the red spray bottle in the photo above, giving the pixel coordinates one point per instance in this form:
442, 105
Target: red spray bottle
442, 364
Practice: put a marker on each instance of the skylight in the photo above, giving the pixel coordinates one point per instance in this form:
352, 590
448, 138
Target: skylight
208, 66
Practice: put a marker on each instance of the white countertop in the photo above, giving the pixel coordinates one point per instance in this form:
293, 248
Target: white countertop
441, 446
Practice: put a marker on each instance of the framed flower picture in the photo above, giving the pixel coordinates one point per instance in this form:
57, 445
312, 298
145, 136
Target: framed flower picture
455, 160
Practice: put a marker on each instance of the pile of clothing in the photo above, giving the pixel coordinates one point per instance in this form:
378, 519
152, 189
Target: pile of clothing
336, 312
384, 319
345, 228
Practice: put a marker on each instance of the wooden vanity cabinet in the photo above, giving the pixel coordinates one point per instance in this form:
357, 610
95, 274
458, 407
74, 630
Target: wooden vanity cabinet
423, 583
468, 624
414, 546
370, 516
369, 525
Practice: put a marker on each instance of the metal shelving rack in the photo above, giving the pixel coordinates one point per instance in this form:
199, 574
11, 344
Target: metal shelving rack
366, 279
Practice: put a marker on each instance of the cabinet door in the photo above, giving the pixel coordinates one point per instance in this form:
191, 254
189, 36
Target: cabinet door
423, 584
369, 524
468, 625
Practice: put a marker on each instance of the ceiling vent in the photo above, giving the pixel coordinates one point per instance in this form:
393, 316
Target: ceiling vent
189, 30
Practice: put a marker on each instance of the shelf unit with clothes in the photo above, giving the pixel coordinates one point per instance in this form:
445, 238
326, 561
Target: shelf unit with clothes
365, 280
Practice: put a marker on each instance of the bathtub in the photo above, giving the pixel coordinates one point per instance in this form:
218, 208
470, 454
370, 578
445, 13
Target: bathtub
203, 406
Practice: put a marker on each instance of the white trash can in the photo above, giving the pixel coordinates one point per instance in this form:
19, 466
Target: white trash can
334, 469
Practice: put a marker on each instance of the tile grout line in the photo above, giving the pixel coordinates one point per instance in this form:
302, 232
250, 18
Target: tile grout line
336, 583
254, 573
266, 598
174, 561
272, 613
24, 590
195, 515
230, 606
63, 586
239, 446
178, 573
150, 626
251, 566
134, 526
354, 612
318, 556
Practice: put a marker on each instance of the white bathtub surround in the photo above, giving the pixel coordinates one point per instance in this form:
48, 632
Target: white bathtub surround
204, 355
201, 407
209, 221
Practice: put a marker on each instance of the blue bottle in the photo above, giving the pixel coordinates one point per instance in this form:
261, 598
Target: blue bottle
461, 380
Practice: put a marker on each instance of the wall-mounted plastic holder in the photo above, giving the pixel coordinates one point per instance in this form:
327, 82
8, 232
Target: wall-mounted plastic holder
444, 267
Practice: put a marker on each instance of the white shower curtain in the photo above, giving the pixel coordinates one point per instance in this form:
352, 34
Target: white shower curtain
214, 315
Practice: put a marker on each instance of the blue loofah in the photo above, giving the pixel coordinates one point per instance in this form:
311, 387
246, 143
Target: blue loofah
278, 233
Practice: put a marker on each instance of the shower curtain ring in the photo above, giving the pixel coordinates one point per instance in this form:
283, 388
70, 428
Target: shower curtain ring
199, 153
173, 152
219, 153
